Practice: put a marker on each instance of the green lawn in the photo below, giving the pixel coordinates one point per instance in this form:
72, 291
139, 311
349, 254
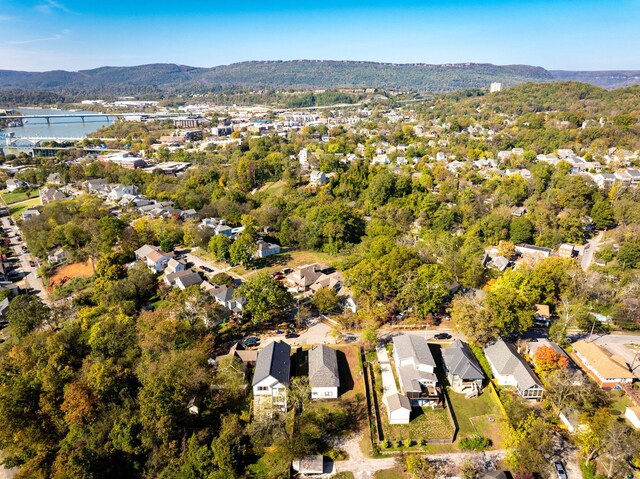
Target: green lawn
273, 188
477, 416
16, 210
619, 401
10, 198
290, 259
389, 474
426, 423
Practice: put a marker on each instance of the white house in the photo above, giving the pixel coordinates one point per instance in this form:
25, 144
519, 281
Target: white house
174, 265
267, 249
416, 370
13, 184
510, 369
632, 414
399, 408
324, 376
119, 191
271, 378
318, 178
157, 261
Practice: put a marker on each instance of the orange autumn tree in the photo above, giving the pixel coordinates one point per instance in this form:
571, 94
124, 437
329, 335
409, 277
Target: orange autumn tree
548, 359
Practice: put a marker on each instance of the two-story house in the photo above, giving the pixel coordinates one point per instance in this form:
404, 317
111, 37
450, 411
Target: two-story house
271, 378
462, 369
416, 369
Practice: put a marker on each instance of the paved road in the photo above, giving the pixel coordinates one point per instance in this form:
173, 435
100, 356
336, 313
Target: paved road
30, 280
590, 249
364, 467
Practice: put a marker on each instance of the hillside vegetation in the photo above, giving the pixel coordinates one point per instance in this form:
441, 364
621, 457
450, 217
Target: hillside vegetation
280, 74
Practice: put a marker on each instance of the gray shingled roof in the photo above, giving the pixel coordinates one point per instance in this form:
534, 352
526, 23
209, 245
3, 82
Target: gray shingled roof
398, 401
506, 360
274, 361
410, 346
323, 367
460, 361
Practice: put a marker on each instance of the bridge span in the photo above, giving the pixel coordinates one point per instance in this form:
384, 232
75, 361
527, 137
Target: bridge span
84, 116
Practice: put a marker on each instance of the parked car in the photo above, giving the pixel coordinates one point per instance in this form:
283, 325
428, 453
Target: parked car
32, 264
251, 341
206, 269
442, 336
291, 334
560, 471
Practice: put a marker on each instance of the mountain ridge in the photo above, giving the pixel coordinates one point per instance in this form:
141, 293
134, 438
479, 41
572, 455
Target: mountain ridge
304, 74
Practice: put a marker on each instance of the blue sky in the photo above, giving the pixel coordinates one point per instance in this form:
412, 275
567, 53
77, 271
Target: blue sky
73, 34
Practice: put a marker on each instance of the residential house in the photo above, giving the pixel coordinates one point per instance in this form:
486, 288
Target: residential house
183, 279
324, 376
462, 369
318, 178
30, 213
532, 346
608, 370
224, 296
271, 377
119, 191
535, 252
157, 260
188, 214
59, 255
604, 180
309, 465
305, 276
142, 252
416, 369
632, 414
510, 369
380, 160
566, 250
266, 249
175, 265
55, 179
49, 194
398, 407
571, 419
13, 184
94, 186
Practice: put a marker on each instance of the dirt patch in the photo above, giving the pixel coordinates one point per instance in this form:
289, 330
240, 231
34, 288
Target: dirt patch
67, 272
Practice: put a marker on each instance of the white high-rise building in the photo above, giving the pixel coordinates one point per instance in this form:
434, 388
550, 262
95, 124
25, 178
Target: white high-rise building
495, 87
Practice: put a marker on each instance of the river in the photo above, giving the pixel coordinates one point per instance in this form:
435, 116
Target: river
58, 127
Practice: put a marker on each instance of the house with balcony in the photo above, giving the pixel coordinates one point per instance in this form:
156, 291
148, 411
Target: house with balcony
416, 371
271, 379
462, 369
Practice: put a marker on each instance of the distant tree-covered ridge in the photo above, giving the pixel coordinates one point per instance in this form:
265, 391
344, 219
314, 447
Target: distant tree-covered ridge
282, 74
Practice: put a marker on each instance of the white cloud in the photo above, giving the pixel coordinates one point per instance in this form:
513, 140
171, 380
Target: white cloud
6, 18
51, 6
57, 36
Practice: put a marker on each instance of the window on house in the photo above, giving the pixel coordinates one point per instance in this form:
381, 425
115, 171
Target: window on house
263, 388
328, 393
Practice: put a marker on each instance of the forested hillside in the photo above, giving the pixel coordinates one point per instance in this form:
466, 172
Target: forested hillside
276, 74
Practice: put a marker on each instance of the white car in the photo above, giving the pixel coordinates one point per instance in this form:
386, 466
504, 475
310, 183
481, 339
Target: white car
560, 471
